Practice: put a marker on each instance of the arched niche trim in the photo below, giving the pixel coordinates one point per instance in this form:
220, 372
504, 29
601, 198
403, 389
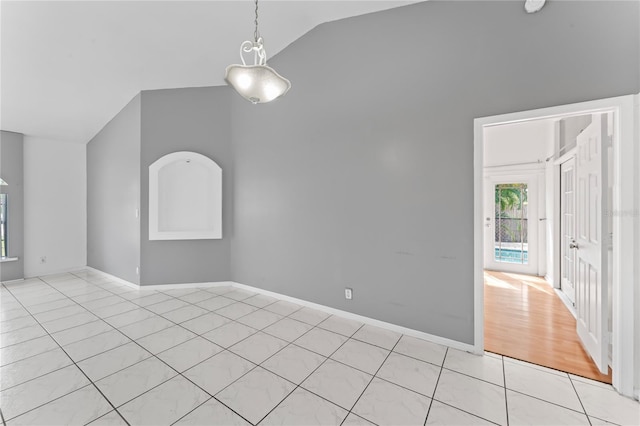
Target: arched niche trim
185, 197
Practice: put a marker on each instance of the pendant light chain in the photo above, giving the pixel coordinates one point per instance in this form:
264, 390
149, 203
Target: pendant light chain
258, 83
256, 34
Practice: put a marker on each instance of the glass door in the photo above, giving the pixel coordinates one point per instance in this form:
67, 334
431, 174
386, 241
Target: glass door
511, 220
511, 243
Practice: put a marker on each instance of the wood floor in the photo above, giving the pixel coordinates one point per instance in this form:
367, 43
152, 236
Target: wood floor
525, 319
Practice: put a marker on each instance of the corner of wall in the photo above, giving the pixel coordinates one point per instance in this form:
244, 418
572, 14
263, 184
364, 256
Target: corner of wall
12, 169
113, 194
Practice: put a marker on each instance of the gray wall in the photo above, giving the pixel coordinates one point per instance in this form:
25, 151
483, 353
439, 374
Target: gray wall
113, 195
570, 128
362, 176
198, 120
11, 170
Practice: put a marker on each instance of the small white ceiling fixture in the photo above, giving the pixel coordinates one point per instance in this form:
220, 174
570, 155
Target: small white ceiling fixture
257, 83
533, 6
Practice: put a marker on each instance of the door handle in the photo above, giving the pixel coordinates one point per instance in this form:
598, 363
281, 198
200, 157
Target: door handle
573, 245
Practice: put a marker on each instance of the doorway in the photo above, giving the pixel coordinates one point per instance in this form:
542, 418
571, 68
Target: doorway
623, 337
525, 317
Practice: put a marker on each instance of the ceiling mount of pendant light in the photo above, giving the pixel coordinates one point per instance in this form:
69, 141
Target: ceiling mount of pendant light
257, 83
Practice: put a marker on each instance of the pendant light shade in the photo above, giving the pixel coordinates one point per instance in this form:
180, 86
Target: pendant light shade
257, 83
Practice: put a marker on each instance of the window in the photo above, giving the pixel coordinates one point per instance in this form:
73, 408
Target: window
3, 225
511, 218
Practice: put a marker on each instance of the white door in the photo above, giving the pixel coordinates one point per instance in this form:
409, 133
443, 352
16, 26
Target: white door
511, 224
591, 280
568, 229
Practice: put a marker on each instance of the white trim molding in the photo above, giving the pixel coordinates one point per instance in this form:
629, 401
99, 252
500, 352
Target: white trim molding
348, 315
363, 319
157, 286
111, 277
626, 246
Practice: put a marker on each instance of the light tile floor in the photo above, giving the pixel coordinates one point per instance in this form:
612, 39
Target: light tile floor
78, 348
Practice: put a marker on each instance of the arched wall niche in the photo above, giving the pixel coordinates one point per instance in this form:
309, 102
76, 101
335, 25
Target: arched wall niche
185, 197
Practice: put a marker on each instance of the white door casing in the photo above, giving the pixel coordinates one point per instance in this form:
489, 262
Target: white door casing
568, 228
591, 249
626, 156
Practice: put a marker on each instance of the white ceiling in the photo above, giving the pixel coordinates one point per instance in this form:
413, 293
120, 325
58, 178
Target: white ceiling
67, 67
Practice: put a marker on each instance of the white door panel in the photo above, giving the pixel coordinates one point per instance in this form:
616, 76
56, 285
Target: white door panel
568, 229
591, 283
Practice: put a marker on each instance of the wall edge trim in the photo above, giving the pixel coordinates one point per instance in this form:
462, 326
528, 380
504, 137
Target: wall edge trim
363, 319
333, 311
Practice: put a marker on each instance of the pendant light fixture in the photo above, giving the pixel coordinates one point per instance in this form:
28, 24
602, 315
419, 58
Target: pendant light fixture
257, 83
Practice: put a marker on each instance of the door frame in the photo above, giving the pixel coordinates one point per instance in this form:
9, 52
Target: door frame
625, 217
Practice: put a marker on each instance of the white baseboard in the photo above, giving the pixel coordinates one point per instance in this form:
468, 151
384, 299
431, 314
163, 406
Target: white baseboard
566, 301
17, 280
348, 315
366, 320
158, 286
548, 279
54, 272
112, 277
186, 285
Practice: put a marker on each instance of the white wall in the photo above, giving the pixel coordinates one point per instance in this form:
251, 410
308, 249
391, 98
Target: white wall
518, 143
552, 193
55, 206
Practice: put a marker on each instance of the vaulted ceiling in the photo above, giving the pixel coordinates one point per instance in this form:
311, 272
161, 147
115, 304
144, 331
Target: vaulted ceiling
67, 67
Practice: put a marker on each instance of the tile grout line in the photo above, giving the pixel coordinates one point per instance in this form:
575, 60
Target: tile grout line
280, 350
233, 353
232, 320
152, 356
468, 412
579, 399
214, 295
260, 365
197, 335
435, 388
548, 402
274, 354
373, 376
161, 315
506, 401
235, 320
308, 375
536, 397
76, 365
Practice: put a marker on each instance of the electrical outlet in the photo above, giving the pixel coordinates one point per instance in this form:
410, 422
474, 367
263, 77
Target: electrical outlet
348, 293
43, 259
137, 270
